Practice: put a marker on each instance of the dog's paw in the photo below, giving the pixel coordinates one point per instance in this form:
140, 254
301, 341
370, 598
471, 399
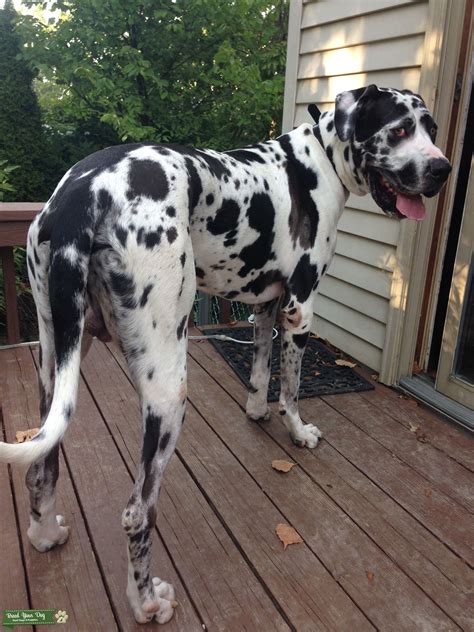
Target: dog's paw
160, 607
257, 411
45, 537
307, 437
256, 416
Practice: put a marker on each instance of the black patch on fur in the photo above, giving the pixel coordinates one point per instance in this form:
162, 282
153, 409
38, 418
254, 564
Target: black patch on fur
153, 238
123, 286
374, 113
304, 215
209, 199
171, 233
264, 279
300, 340
180, 329
303, 278
171, 211
225, 219
150, 374
122, 235
246, 156
150, 441
261, 217
165, 439
147, 177
200, 272
194, 185
144, 297
407, 175
31, 267
183, 259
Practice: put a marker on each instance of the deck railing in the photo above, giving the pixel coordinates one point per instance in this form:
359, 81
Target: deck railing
15, 220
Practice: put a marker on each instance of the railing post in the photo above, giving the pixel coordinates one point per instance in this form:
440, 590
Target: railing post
9, 288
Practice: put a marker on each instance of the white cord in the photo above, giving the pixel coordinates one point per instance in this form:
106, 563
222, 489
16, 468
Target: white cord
251, 320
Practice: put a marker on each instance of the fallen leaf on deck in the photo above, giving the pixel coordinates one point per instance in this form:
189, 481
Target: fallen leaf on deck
346, 363
25, 435
316, 373
232, 323
174, 604
282, 466
288, 535
375, 377
370, 576
414, 428
428, 492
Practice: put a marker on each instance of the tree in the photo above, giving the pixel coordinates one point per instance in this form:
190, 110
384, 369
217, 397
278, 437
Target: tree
21, 136
204, 72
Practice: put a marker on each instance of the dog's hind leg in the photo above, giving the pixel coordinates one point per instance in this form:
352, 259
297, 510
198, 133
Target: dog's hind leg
46, 528
265, 314
152, 331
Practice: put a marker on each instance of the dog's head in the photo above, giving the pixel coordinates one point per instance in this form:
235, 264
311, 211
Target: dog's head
392, 137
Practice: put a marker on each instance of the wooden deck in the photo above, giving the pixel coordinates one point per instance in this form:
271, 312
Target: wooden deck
385, 512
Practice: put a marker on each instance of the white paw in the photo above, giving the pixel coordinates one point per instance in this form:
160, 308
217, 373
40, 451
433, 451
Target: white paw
307, 437
161, 607
44, 537
258, 413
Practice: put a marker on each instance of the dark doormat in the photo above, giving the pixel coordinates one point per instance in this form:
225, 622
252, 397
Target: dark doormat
320, 375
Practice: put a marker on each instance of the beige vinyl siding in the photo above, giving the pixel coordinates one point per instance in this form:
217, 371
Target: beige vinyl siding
342, 46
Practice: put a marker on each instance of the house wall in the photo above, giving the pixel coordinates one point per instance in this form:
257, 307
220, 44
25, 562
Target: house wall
335, 46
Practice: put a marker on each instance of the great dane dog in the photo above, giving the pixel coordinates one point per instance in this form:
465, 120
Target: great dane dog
129, 231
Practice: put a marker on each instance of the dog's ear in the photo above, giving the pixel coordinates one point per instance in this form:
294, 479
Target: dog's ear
314, 112
346, 109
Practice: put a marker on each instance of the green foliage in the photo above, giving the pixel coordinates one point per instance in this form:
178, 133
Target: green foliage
21, 137
203, 72
5, 171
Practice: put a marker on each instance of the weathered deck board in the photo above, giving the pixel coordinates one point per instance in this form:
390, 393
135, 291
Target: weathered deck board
67, 577
435, 466
369, 500
432, 565
343, 547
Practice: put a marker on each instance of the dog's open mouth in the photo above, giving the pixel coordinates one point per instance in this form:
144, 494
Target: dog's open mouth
394, 202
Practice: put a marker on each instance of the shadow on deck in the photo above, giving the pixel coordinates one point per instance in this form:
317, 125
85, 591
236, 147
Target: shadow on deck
384, 506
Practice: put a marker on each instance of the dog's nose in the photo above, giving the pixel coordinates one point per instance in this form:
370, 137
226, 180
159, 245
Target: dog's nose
440, 168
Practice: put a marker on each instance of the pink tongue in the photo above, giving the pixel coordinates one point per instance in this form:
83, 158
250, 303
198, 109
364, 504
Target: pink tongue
412, 207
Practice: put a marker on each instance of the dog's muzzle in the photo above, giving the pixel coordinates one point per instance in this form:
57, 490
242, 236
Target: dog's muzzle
436, 175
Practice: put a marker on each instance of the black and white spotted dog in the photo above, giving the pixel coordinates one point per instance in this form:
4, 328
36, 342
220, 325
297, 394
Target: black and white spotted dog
129, 230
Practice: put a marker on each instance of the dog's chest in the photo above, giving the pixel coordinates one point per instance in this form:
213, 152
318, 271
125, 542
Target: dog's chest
250, 229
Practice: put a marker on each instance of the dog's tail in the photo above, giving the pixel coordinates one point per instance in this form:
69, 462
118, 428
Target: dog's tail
58, 263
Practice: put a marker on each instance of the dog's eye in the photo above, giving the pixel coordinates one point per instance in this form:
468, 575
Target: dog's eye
433, 131
400, 132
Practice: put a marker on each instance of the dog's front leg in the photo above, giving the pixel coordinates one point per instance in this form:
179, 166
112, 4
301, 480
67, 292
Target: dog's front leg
257, 407
296, 322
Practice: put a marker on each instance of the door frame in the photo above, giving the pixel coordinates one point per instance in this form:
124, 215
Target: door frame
421, 246
447, 382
